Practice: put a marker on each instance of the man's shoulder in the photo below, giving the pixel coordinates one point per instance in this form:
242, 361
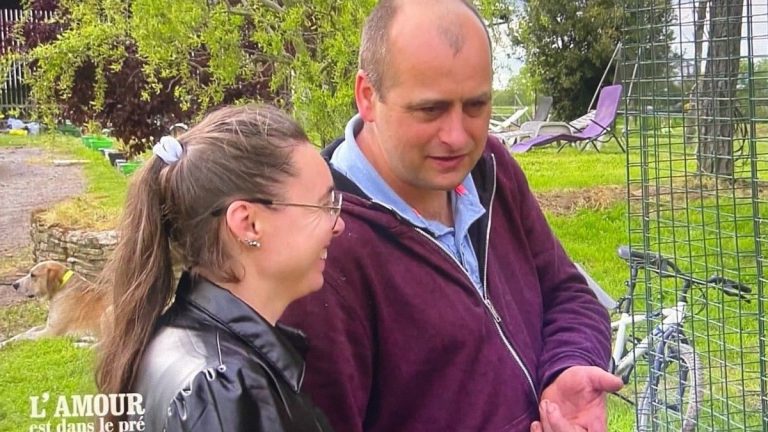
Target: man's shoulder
504, 159
498, 166
365, 227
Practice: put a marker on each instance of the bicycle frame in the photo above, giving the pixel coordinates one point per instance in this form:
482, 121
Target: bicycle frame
623, 361
671, 324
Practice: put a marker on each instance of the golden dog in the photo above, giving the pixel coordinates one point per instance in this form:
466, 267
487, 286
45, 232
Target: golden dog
77, 307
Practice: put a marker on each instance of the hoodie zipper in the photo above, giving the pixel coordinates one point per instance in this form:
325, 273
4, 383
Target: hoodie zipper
484, 296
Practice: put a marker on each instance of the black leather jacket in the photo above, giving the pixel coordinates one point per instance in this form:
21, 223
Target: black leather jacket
215, 365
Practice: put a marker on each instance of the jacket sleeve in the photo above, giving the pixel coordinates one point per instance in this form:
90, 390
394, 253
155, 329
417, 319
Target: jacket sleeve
575, 328
339, 369
229, 401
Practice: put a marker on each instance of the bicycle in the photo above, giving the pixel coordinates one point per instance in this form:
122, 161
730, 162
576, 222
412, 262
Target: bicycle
672, 394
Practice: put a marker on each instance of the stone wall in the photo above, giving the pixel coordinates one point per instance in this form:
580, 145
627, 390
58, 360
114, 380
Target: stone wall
84, 252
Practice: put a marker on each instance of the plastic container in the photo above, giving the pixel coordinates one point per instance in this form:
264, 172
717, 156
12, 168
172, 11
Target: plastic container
100, 142
114, 155
128, 168
96, 142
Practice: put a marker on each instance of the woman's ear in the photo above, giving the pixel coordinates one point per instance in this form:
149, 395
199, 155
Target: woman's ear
244, 221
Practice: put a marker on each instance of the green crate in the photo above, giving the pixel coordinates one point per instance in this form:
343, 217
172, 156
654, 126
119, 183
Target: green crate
86, 139
97, 142
128, 168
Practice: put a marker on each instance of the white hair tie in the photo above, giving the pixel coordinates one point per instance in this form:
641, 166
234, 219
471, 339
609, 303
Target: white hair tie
168, 149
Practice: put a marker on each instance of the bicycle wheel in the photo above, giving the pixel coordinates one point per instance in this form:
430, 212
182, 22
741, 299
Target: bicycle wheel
672, 396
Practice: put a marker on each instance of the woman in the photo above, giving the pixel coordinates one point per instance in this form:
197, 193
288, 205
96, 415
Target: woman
247, 206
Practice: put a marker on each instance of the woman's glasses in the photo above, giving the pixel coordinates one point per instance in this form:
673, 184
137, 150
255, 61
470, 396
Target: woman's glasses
333, 209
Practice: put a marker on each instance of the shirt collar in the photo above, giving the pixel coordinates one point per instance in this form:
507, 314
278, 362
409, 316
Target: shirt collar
349, 160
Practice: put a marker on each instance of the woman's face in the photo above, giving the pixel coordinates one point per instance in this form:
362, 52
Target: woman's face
296, 235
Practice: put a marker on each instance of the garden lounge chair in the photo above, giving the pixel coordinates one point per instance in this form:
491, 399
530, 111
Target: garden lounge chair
543, 106
540, 115
512, 120
600, 125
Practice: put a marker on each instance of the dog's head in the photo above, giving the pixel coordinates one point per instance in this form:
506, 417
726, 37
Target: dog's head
43, 281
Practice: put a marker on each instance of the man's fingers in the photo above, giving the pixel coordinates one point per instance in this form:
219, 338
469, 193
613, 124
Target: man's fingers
553, 421
536, 427
606, 382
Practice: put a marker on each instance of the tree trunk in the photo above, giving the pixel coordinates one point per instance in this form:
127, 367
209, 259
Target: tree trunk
699, 19
691, 108
717, 98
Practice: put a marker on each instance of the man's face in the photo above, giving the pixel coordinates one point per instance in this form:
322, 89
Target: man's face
431, 124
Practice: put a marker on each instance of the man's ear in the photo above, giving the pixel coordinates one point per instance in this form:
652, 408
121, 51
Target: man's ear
365, 96
244, 221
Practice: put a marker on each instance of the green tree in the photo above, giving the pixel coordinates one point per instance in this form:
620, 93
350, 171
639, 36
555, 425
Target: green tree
196, 54
650, 63
568, 46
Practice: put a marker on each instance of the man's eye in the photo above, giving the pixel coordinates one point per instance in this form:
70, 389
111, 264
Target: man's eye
475, 108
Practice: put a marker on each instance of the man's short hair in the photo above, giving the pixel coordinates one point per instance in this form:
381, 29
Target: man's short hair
374, 42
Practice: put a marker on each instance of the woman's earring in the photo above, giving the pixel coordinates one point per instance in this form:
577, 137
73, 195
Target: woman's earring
252, 243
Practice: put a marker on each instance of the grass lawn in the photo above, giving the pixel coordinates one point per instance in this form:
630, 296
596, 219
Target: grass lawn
31, 369
591, 237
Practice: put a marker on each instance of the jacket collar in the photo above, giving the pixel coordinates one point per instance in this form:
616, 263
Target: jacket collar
482, 174
280, 346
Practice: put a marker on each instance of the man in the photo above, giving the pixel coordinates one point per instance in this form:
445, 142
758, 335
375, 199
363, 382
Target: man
448, 304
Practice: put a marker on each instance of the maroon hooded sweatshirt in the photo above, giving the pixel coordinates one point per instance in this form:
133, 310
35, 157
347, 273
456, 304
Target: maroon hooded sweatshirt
401, 340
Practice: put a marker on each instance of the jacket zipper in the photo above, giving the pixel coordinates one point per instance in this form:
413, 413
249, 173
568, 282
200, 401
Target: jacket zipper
487, 299
484, 296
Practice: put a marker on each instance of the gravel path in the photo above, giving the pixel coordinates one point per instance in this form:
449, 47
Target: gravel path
28, 181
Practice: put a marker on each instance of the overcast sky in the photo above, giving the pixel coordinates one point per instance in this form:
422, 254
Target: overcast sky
684, 29
504, 63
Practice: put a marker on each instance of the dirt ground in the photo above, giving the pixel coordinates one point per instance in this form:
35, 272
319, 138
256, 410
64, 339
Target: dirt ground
570, 201
28, 181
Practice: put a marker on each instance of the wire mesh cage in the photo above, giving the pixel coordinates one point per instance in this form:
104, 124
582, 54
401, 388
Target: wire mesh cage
695, 76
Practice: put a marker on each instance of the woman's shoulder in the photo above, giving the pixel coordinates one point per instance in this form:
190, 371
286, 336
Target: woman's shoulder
241, 394
189, 367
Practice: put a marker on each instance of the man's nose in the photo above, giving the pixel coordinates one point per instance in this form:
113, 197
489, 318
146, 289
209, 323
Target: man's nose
454, 130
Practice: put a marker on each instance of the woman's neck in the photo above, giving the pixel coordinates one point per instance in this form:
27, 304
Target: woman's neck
260, 296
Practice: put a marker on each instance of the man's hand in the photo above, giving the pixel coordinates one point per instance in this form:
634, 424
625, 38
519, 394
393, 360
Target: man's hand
575, 401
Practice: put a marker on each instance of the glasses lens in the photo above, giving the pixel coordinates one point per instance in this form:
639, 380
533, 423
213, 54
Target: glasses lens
335, 206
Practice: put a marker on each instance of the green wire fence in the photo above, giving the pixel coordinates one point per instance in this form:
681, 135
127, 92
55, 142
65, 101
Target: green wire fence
695, 77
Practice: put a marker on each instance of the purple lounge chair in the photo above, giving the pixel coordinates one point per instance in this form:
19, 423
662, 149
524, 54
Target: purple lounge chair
601, 124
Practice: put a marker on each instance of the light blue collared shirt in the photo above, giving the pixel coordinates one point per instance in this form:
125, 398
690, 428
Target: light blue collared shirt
349, 160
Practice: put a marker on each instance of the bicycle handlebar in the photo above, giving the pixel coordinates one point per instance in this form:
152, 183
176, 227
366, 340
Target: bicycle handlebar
662, 265
665, 267
730, 287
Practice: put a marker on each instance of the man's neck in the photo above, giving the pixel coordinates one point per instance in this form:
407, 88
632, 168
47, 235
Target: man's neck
432, 205
439, 209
